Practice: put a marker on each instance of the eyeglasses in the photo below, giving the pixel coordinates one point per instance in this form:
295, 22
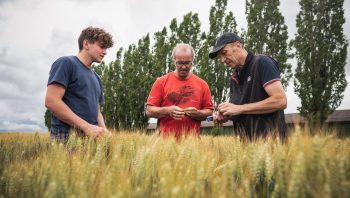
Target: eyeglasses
181, 63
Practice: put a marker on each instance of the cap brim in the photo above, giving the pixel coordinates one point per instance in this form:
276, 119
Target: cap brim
214, 53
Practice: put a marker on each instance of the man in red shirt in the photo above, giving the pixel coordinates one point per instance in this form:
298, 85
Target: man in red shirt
180, 99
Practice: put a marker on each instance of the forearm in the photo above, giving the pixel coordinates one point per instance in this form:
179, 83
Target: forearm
203, 114
65, 114
268, 105
157, 112
101, 120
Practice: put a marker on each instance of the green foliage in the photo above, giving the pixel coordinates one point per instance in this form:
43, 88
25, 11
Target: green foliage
188, 31
137, 76
47, 117
161, 51
267, 34
99, 69
122, 79
321, 51
139, 165
217, 130
216, 74
113, 108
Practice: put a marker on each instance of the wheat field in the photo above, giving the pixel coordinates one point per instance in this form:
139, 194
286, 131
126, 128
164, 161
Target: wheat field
140, 165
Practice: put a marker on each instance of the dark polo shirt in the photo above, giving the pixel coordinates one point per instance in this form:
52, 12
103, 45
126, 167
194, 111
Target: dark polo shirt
247, 86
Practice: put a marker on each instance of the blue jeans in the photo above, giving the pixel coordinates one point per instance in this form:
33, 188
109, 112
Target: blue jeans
59, 135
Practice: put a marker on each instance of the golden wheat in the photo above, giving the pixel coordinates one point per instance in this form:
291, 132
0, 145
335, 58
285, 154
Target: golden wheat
139, 165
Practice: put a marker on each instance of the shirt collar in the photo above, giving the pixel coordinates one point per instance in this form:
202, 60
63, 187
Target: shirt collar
241, 71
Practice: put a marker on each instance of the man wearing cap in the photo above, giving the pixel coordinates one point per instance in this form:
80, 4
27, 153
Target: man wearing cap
180, 99
257, 97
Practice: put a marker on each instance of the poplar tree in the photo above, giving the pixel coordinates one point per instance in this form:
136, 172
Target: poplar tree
112, 84
48, 116
173, 40
267, 34
321, 51
160, 54
189, 32
136, 83
215, 73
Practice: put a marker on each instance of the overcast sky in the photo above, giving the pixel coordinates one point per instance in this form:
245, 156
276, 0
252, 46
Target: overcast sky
34, 33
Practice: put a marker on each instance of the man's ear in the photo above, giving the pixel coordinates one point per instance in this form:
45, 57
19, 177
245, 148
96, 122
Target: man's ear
240, 44
237, 44
85, 44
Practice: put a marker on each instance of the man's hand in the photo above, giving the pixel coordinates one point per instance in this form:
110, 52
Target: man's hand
107, 133
175, 112
93, 131
218, 117
227, 109
192, 112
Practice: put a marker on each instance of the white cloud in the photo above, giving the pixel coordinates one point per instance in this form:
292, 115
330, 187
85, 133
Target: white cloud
34, 33
346, 100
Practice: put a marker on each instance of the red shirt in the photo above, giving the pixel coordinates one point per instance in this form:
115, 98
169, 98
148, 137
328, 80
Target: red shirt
170, 90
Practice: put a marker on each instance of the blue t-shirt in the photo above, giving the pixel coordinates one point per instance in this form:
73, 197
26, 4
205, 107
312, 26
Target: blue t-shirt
83, 91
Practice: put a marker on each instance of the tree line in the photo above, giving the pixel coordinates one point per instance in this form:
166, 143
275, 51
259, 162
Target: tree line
319, 46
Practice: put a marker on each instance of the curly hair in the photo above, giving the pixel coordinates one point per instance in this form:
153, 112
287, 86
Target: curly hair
92, 34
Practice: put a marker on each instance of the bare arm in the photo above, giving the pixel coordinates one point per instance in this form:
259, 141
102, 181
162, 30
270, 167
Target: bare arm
277, 100
198, 114
160, 112
177, 112
54, 102
101, 122
100, 119
157, 112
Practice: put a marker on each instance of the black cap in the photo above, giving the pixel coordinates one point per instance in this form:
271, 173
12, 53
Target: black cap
223, 40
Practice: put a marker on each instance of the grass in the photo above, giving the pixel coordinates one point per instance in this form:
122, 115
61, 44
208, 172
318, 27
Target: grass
140, 165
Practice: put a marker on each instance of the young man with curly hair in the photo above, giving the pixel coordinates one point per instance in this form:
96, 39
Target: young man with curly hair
74, 90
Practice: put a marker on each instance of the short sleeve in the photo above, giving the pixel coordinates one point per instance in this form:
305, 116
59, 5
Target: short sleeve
156, 94
60, 72
269, 71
